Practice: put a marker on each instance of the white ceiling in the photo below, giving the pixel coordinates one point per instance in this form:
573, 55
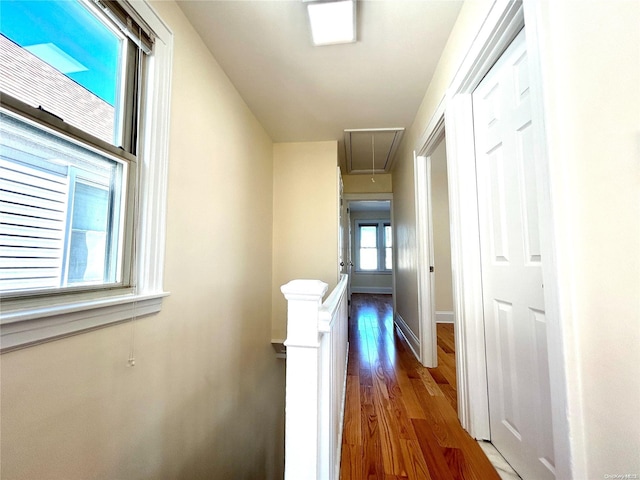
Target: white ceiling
370, 206
304, 93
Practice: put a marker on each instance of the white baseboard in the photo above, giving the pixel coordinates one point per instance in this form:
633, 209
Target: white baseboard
444, 317
380, 290
409, 336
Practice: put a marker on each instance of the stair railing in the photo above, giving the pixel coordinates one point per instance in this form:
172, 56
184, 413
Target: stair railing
316, 347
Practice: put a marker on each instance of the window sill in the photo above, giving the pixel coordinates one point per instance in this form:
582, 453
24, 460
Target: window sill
30, 326
373, 272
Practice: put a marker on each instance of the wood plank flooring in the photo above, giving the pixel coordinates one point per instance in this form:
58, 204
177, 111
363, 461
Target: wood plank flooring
400, 418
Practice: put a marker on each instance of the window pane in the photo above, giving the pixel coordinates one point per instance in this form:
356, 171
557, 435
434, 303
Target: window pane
60, 209
388, 243
88, 249
368, 236
368, 259
388, 237
58, 55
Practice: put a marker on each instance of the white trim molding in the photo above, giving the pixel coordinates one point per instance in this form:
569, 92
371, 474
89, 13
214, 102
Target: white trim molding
473, 408
30, 327
429, 140
424, 245
433, 133
408, 335
28, 321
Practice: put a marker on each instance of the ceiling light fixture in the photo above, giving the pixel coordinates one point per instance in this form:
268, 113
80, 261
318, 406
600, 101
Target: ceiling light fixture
332, 22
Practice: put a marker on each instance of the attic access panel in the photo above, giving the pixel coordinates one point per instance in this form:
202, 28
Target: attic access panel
359, 151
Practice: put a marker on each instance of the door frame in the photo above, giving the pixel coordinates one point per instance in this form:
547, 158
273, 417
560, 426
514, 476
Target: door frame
359, 197
434, 134
503, 22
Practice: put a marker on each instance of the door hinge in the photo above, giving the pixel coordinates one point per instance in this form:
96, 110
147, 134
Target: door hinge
431, 269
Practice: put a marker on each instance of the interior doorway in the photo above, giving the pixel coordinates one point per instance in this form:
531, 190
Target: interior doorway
441, 235
371, 246
433, 240
374, 208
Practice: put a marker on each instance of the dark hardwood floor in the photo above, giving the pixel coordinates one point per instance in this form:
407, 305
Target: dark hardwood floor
400, 418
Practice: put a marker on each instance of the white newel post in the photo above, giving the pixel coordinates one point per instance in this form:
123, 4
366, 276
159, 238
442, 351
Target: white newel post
302, 396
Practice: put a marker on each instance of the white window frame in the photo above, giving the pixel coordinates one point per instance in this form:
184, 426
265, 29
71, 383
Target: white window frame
36, 319
380, 246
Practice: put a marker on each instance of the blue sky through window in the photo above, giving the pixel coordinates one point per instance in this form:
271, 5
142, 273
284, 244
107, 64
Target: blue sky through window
66, 35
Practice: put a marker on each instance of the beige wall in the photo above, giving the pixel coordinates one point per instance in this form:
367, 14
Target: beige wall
305, 219
404, 214
591, 72
441, 235
205, 399
363, 183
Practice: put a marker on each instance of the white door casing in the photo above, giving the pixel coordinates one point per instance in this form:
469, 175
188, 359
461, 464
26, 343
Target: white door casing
433, 136
424, 244
514, 311
348, 247
343, 246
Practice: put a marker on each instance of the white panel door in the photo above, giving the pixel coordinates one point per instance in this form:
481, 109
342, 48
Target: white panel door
515, 328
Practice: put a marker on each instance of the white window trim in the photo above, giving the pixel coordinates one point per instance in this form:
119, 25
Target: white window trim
381, 247
25, 322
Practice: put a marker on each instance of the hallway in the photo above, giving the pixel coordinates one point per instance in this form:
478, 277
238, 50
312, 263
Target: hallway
400, 418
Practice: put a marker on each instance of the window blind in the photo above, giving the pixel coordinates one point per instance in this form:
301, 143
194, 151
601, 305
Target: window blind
131, 24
